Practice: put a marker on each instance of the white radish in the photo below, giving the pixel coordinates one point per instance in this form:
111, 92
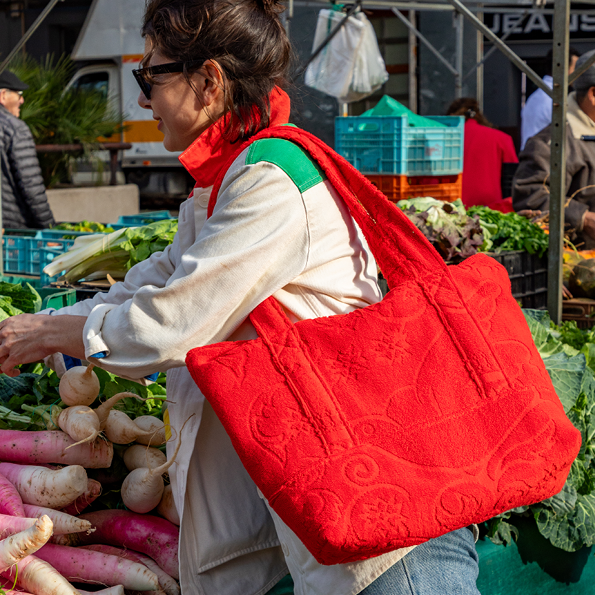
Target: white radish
80, 423
154, 426
120, 429
103, 410
167, 506
138, 455
79, 386
45, 487
16, 547
143, 488
63, 523
36, 576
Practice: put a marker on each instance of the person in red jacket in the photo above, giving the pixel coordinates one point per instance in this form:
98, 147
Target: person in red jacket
486, 150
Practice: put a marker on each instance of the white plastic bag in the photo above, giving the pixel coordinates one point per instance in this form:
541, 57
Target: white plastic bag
350, 67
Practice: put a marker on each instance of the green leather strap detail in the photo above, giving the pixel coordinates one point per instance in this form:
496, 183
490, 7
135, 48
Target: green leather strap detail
293, 160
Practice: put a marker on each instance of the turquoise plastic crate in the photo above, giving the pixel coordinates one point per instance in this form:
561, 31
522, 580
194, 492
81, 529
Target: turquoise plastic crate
388, 145
23, 255
141, 218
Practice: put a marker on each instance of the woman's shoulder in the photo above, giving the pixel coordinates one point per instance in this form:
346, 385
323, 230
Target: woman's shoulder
299, 166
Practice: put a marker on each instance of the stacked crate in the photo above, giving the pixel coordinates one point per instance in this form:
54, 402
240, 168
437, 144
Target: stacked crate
405, 161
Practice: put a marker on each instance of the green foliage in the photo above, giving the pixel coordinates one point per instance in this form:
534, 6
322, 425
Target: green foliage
510, 232
19, 296
57, 115
90, 226
568, 518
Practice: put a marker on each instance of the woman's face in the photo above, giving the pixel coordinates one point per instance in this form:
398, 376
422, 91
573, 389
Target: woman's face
181, 116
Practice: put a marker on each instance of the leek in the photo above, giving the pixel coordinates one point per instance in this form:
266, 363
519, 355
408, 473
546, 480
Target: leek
114, 253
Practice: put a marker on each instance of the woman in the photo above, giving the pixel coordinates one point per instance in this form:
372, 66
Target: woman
210, 76
486, 152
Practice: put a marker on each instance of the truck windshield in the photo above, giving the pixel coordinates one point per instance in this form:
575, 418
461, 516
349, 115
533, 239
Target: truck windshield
93, 81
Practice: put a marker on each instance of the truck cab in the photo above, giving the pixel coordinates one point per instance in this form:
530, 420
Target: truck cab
108, 48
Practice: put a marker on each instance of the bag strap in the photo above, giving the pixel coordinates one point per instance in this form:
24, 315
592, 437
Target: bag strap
400, 249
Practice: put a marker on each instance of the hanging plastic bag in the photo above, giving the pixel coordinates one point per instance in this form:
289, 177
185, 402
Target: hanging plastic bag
350, 67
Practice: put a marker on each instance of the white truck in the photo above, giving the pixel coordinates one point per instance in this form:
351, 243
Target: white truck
108, 48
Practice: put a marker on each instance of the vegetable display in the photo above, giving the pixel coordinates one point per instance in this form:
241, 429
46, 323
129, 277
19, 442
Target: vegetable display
567, 519
17, 298
48, 477
458, 233
94, 257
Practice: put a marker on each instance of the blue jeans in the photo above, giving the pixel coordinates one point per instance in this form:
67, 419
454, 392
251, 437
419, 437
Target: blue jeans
446, 565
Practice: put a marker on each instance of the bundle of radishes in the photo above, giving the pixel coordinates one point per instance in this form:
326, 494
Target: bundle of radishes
44, 485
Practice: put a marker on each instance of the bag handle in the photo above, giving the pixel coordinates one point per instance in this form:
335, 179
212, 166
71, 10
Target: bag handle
400, 249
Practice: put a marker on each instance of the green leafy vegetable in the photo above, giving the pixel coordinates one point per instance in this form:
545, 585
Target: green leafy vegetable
90, 226
511, 231
115, 253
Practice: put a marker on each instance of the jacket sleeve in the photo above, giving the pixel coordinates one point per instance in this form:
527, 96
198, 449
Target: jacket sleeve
255, 243
531, 184
28, 178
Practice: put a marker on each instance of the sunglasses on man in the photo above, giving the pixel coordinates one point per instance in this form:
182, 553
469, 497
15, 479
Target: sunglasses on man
141, 74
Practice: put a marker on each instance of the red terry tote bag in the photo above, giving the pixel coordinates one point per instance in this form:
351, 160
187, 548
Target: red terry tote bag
399, 422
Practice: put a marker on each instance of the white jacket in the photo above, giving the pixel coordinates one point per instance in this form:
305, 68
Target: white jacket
266, 236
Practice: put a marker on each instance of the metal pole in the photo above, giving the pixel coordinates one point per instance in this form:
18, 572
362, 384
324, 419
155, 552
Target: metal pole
423, 39
25, 38
558, 158
413, 63
459, 31
520, 64
479, 51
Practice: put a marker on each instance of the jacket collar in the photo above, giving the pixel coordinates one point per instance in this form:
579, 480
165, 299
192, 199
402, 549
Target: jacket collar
580, 123
211, 151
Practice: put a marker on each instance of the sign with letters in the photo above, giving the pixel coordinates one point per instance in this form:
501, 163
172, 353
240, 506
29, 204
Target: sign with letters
538, 26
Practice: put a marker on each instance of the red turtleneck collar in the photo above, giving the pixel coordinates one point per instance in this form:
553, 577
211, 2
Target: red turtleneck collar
205, 157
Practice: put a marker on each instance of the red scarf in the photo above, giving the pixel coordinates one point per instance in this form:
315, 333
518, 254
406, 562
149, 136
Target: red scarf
211, 151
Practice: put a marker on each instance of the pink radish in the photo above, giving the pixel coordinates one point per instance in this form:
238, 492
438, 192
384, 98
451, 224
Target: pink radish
167, 506
9, 525
91, 494
79, 386
14, 548
118, 590
31, 448
151, 535
120, 429
143, 488
10, 500
138, 455
103, 410
80, 423
86, 566
36, 576
63, 523
166, 582
154, 426
43, 487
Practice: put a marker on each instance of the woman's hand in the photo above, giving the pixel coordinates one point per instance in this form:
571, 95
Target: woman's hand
29, 338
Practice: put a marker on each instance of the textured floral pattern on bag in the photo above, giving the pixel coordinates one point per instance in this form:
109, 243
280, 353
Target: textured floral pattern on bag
397, 423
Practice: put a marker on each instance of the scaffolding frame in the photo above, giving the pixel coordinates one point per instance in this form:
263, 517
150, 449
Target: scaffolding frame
473, 13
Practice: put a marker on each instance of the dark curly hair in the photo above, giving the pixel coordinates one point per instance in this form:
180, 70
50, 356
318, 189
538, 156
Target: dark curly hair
245, 37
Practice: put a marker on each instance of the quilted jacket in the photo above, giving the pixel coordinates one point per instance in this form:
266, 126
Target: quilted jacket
24, 201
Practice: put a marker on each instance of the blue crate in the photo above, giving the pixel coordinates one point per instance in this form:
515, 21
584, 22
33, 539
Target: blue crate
388, 145
46, 255
23, 254
141, 219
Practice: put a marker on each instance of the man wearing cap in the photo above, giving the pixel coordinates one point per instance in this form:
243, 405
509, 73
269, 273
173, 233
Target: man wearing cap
530, 190
24, 201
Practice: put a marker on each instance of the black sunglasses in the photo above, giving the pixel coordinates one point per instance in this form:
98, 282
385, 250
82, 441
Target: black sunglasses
141, 73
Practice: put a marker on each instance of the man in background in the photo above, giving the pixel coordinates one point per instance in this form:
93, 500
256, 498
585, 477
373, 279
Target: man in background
24, 201
530, 189
537, 111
